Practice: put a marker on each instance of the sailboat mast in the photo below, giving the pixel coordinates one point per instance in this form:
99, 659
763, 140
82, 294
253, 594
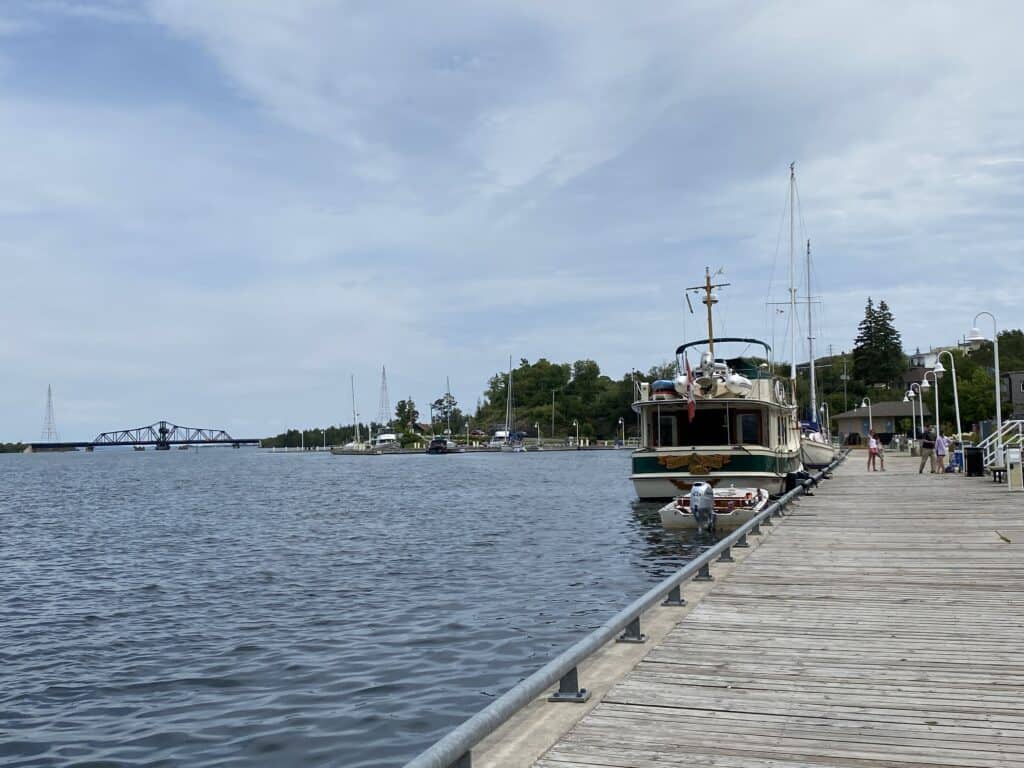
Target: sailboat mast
792, 283
810, 341
508, 401
448, 403
355, 418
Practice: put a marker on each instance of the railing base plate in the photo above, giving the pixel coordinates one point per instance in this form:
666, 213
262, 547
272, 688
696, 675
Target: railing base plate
577, 698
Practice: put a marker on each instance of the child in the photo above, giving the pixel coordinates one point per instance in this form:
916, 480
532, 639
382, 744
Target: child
872, 451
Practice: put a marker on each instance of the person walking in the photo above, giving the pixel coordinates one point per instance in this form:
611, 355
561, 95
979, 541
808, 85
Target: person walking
927, 450
941, 449
872, 451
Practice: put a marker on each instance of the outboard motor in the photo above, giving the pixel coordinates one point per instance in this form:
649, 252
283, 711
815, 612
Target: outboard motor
702, 506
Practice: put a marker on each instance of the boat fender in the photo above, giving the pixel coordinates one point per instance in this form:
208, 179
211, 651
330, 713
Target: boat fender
682, 384
780, 392
738, 385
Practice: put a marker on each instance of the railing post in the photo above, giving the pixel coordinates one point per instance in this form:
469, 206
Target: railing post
742, 542
726, 556
466, 761
675, 596
569, 689
705, 574
756, 530
768, 521
632, 633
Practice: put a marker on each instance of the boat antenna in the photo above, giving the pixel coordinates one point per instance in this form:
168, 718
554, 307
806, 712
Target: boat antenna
709, 299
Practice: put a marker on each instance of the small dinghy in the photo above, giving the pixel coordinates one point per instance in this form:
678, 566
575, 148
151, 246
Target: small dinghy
708, 509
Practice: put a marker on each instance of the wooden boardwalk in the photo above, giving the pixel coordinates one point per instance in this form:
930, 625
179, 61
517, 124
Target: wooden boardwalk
881, 624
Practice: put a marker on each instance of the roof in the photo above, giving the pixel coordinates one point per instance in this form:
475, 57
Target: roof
888, 408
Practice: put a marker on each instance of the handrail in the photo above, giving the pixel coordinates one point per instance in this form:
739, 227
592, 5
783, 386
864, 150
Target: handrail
991, 444
454, 749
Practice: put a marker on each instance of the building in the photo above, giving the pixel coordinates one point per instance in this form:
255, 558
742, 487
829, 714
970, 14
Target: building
884, 417
920, 362
1013, 390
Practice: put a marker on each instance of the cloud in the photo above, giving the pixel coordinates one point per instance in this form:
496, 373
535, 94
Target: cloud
283, 194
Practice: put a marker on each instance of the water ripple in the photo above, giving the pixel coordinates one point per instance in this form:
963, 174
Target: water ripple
242, 608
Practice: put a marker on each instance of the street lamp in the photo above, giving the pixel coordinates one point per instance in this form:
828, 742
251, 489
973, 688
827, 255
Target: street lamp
956, 396
622, 428
926, 385
866, 403
467, 433
537, 427
910, 397
974, 339
325, 438
827, 421
577, 425
915, 391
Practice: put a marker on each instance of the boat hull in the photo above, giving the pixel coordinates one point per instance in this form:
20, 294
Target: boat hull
816, 455
665, 475
674, 517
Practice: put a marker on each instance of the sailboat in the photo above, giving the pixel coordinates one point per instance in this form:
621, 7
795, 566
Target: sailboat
513, 443
816, 451
357, 446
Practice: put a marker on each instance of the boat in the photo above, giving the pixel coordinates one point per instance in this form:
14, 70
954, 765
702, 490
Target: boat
713, 509
728, 422
442, 444
356, 447
512, 441
816, 449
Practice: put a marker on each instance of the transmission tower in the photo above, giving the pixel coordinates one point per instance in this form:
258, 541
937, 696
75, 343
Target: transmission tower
49, 434
384, 409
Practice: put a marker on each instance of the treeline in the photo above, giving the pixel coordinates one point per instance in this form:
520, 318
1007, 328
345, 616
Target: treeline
549, 397
12, 447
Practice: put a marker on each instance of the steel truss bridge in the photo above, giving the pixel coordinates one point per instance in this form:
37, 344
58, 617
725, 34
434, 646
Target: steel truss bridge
161, 435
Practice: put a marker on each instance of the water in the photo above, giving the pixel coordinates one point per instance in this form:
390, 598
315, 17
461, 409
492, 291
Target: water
239, 607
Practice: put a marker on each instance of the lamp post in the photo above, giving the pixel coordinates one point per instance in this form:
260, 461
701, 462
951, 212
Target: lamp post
910, 397
467, 433
325, 438
915, 391
622, 429
974, 339
827, 420
926, 385
956, 397
576, 424
537, 427
866, 403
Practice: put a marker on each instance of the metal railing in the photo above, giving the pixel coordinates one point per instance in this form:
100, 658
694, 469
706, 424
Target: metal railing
454, 749
1010, 436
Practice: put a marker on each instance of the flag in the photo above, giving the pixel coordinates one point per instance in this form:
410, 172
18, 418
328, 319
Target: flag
691, 404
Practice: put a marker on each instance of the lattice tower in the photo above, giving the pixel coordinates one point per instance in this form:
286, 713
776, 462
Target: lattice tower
49, 434
384, 415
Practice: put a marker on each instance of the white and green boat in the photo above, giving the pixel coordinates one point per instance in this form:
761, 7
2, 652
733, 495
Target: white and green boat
729, 422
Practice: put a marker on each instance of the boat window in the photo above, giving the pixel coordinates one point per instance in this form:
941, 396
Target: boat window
709, 427
666, 430
748, 428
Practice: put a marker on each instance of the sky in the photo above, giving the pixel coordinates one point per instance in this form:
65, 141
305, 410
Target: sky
217, 212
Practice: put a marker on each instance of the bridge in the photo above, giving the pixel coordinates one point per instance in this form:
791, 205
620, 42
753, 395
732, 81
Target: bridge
161, 435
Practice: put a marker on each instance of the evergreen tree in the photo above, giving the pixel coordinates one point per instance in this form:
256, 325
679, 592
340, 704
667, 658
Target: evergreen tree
406, 413
878, 350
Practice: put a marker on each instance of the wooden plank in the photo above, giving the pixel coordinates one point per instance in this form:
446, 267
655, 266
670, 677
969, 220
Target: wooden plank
879, 624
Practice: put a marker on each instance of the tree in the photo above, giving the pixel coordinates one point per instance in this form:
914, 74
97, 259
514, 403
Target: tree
445, 410
405, 413
878, 350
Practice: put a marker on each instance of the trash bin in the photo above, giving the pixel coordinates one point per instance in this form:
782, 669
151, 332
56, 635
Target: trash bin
973, 461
